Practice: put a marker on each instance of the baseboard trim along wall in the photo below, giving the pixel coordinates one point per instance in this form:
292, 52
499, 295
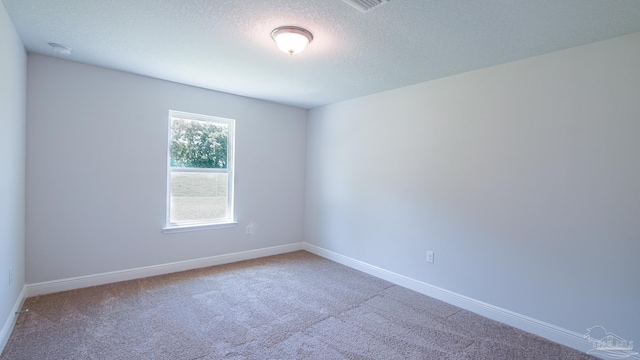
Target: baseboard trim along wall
54, 286
7, 328
540, 328
522, 322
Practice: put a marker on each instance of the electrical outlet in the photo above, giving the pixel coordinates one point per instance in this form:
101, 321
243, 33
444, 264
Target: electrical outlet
430, 257
10, 276
250, 229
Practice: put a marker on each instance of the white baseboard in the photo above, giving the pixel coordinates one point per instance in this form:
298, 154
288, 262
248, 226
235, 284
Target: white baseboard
540, 328
54, 286
7, 328
522, 322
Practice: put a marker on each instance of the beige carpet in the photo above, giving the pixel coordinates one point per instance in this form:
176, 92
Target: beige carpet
291, 306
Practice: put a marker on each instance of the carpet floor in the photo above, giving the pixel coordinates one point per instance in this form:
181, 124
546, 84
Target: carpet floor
290, 306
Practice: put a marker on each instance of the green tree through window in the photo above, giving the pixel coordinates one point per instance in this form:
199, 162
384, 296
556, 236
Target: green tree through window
198, 144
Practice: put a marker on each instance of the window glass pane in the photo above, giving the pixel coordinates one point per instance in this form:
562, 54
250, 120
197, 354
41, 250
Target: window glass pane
198, 144
198, 196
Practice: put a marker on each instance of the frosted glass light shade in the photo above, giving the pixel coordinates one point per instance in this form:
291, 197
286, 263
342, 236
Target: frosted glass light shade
291, 39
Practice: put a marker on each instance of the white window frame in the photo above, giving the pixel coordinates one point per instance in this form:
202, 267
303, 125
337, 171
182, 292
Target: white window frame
229, 220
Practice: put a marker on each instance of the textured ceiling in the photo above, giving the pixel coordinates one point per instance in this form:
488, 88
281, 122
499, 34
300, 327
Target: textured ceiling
225, 44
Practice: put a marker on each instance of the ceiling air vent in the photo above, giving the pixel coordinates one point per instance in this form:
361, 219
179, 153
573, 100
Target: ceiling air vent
365, 5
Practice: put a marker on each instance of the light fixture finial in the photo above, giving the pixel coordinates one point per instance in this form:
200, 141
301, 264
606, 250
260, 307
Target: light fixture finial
291, 39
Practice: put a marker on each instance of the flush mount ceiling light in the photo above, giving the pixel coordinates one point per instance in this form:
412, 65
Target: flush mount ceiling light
60, 49
291, 39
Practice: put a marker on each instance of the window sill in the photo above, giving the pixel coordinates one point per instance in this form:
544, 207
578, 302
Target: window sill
197, 227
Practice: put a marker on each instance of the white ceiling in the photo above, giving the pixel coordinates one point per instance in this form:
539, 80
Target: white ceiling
225, 44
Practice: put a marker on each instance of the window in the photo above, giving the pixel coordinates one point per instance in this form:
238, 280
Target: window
200, 171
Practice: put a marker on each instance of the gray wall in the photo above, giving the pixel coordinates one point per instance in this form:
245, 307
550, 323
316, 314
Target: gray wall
96, 171
523, 178
13, 80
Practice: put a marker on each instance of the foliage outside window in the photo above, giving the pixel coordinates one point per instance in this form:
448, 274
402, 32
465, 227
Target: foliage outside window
200, 170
